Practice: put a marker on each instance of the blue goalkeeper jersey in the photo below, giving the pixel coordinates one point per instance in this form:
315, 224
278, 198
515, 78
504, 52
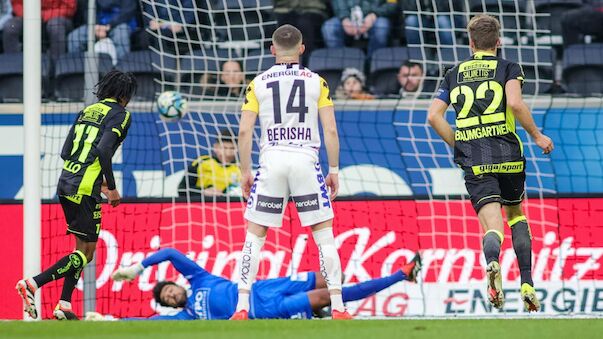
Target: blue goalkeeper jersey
213, 298
210, 296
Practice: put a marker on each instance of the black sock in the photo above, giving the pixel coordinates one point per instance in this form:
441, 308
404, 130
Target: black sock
69, 284
522, 244
66, 266
491, 244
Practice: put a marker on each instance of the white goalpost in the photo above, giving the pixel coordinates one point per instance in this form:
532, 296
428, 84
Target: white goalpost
32, 98
400, 189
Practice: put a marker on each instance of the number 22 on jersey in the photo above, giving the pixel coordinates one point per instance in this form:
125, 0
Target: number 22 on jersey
489, 115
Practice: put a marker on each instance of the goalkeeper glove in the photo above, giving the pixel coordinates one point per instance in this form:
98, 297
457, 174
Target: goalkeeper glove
95, 316
127, 273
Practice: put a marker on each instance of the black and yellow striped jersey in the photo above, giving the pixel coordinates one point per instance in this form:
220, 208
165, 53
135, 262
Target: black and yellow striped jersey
485, 126
83, 151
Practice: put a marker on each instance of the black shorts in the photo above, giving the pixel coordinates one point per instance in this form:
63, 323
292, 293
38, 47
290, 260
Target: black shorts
505, 188
83, 216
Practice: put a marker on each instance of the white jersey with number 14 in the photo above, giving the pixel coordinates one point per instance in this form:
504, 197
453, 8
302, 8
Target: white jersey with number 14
287, 98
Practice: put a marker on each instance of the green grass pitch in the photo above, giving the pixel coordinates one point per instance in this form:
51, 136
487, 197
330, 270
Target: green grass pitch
291, 329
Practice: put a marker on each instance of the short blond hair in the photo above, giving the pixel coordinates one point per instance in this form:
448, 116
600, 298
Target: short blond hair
484, 31
286, 37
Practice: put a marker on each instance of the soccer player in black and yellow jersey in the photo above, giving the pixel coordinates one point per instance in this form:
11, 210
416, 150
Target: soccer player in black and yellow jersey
485, 92
96, 134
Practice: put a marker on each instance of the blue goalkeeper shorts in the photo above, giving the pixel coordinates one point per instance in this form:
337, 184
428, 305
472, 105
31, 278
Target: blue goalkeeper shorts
283, 298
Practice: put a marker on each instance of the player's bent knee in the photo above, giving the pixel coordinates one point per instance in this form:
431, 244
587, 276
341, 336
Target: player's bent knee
322, 225
489, 211
320, 281
513, 211
89, 255
256, 229
88, 249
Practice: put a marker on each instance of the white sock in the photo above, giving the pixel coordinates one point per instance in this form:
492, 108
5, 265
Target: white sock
243, 303
32, 282
337, 302
330, 265
65, 304
250, 263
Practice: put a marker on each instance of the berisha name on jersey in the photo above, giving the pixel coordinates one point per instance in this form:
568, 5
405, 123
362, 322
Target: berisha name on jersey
287, 99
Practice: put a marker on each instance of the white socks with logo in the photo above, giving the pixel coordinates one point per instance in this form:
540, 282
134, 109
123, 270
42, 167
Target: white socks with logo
248, 269
330, 265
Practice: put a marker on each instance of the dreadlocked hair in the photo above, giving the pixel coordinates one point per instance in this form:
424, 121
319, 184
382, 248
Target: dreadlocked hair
116, 84
157, 291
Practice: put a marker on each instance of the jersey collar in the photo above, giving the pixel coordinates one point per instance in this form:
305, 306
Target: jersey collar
109, 100
288, 64
481, 55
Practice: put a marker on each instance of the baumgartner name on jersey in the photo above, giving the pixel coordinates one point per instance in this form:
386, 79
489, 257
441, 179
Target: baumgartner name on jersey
287, 98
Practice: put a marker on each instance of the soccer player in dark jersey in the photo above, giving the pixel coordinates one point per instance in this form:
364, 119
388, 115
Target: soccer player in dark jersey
96, 134
485, 92
212, 297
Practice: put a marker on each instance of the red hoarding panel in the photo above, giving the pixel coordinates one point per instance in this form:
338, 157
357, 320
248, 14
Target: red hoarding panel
375, 238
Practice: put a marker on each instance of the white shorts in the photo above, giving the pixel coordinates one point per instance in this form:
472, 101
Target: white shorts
283, 174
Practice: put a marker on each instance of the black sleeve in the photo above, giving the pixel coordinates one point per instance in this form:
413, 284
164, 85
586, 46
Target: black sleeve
116, 128
119, 124
444, 90
106, 145
515, 72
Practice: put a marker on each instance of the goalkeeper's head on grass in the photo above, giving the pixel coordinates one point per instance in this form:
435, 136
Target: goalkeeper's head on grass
96, 134
485, 91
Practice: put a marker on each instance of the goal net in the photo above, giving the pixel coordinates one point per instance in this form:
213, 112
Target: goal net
400, 190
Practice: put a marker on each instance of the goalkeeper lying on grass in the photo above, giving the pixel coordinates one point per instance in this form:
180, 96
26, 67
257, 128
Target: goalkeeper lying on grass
213, 297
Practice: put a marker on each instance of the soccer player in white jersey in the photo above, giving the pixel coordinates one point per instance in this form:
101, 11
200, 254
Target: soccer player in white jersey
289, 100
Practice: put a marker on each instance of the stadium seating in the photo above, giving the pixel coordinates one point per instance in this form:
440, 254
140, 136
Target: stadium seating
240, 20
384, 67
11, 76
583, 69
528, 58
452, 55
144, 65
330, 62
555, 8
258, 61
506, 11
69, 74
239, 24
497, 6
201, 62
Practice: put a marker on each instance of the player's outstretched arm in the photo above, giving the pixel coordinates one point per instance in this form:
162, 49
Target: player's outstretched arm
522, 113
246, 125
181, 262
331, 137
436, 119
182, 315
